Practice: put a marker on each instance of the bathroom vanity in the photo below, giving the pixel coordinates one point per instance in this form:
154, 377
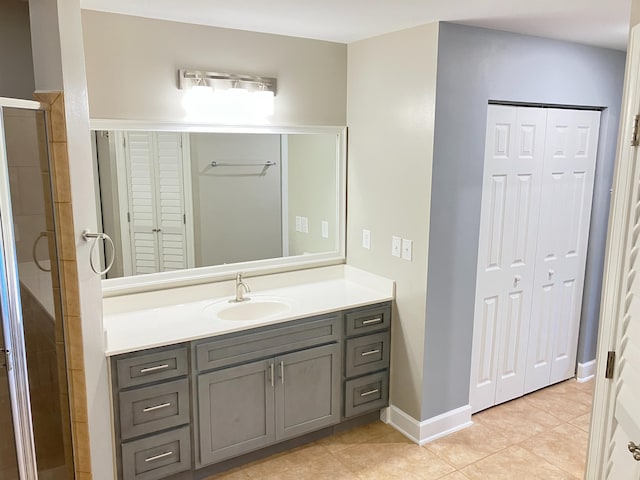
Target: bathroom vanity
238, 377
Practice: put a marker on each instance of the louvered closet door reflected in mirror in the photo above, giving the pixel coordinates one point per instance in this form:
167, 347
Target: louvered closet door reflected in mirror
539, 171
157, 237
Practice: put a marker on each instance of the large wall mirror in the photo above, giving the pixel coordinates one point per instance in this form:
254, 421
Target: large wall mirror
191, 204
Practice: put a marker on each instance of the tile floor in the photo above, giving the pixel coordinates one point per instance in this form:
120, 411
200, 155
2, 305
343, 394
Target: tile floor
541, 436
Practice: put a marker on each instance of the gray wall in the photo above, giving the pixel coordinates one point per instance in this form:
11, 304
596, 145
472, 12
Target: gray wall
237, 210
476, 65
16, 63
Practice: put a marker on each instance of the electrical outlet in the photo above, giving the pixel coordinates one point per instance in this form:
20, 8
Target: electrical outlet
407, 249
298, 223
325, 229
396, 246
305, 225
366, 238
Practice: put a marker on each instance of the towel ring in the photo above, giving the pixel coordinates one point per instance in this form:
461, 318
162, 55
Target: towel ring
86, 235
33, 252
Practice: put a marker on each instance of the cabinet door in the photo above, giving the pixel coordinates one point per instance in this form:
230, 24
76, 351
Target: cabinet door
235, 407
307, 391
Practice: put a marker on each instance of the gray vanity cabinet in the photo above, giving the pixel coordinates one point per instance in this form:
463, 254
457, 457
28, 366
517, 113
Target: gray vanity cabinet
246, 407
232, 394
307, 391
236, 412
152, 412
367, 347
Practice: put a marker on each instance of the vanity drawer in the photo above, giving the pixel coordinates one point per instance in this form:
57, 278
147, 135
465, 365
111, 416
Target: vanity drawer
151, 367
243, 347
365, 320
157, 456
366, 354
149, 409
366, 393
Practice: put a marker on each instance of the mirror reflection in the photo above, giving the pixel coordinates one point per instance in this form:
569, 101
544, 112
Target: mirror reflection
177, 200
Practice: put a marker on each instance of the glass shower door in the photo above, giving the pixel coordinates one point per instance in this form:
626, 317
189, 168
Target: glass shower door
32, 307
8, 458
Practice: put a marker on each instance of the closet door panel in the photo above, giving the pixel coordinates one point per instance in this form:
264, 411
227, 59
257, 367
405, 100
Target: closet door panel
506, 253
171, 208
139, 155
567, 188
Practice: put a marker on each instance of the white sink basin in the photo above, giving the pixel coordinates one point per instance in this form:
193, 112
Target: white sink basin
253, 309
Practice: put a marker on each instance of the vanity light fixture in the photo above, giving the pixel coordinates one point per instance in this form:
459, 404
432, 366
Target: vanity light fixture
226, 97
225, 81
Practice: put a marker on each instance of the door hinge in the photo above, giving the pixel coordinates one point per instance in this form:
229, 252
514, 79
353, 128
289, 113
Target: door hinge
611, 361
184, 218
635, 136
124, 141
129, 217
5, 358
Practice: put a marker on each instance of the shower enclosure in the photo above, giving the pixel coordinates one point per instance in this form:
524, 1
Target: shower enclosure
34, 402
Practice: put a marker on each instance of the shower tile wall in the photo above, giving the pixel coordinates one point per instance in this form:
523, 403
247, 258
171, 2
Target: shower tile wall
40, 291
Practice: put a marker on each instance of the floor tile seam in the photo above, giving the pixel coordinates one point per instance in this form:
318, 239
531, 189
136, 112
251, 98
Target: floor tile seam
552, 464
459, 469
441, 459
353, 470
562, 420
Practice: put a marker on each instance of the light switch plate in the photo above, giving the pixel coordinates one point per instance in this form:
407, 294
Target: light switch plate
305, 225
407, 249
325, 229
366, 238
298, 223
396, 246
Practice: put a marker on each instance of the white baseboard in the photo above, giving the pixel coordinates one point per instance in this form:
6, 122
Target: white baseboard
432, 428
586, 371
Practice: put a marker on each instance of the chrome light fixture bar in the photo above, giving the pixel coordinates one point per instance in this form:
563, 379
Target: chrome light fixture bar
224, 81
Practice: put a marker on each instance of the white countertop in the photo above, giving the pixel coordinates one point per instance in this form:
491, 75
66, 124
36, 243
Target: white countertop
146, 320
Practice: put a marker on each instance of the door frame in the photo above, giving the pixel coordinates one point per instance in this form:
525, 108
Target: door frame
613, 283
11, 309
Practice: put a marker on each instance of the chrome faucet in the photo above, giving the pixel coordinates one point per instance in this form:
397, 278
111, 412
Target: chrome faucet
241, 289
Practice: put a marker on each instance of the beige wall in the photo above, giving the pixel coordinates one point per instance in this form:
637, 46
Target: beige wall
132, 67
312, 178
390, 105
16, 65
635, 12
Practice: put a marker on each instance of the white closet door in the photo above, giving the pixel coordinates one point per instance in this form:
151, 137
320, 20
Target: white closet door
170, 216
563, 232
139, 155
506, 253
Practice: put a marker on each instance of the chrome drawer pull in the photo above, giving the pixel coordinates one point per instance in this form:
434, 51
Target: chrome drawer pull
154, 369
157, 407
370, 392
370, 352
158, 457
373, 320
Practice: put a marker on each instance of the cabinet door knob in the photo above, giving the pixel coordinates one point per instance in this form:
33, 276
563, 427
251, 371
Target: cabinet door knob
516, 280
551, 274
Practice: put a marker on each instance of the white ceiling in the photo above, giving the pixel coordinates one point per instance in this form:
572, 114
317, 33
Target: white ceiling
603, 23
